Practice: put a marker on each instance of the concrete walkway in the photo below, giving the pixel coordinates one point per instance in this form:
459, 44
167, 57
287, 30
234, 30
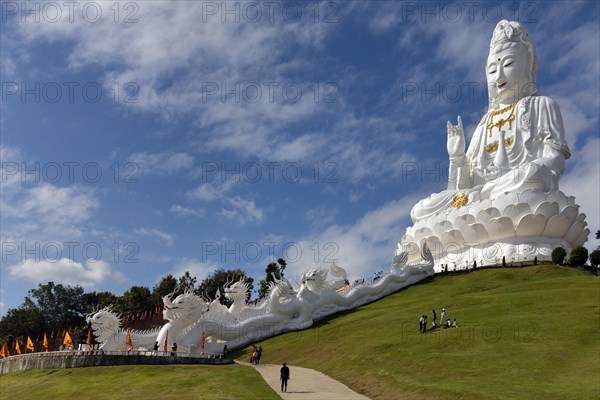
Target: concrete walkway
305, 384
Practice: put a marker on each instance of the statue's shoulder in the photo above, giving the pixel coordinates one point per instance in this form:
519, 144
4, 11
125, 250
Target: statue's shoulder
542, 102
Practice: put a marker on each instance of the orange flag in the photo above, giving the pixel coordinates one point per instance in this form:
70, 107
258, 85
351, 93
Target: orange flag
166, 342
128, 340
45, 342
17, 347
89, 338
4, 352
202, 346
30, 344
67, 340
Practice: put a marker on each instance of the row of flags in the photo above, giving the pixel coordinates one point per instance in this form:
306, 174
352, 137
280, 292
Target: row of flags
67, 341
5, 352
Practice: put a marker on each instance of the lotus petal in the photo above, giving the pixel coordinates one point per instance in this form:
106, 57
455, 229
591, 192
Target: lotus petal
500, 228
463, 221
434, 244
557, 197
574, 232
532, 197
557, 227
547, 209
516, 211
476, 233
531, 225
453, 236
421, 233
583, 237
580, 217
570, 211
441, 227
484, 216
505, 200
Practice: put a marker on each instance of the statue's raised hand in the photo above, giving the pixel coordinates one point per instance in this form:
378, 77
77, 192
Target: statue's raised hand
456, 139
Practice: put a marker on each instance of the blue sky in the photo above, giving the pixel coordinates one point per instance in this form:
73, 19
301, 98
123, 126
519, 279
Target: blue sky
151, 138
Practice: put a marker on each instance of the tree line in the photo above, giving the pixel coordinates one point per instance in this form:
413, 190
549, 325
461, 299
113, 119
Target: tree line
53, 308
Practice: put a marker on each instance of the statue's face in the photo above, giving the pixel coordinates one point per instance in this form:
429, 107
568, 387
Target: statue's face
509, 74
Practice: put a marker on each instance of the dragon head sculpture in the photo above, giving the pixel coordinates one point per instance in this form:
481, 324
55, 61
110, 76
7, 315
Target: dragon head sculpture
185, 305
237, 291
314, 279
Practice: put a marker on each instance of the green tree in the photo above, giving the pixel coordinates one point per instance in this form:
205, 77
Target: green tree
578, 256
49, 307
95, 300
558, 255
136, 299
167, 285
273, 270
218, 279
595, 258
187, 283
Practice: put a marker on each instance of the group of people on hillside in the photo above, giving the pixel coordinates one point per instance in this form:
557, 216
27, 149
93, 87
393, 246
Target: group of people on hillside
255, 355
444, 321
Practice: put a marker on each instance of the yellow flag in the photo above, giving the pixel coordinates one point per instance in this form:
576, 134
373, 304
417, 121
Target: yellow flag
17, 347
67, 340
4, 352
30, 344
45, 342
128, 340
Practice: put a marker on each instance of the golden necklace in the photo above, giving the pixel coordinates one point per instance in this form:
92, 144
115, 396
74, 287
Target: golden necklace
500, 123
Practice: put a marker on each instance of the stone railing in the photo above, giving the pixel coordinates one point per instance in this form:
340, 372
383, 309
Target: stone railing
79, 359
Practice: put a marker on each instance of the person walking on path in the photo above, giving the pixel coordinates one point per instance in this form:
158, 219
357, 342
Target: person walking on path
259, 354
284, 376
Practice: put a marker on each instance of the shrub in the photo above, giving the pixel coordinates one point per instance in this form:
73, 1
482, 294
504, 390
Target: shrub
578, 256
558, 255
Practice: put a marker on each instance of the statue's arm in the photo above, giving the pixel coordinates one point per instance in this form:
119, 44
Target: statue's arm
459, 172
550, 132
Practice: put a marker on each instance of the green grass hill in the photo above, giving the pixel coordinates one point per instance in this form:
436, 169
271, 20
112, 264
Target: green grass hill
525, 333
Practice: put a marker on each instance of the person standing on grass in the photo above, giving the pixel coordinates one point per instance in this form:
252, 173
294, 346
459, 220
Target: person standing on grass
285, 377
433, 325
421, 323
443, 317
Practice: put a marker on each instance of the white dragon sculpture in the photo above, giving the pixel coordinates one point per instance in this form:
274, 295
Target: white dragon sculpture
107, 326
191, 318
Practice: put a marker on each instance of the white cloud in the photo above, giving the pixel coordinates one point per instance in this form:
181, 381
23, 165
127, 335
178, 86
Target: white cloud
160, 236
361, 248
321, 215
46, 211
208, 191
243, 211
66, 271
56, 205
182, 211
161, 163
196, 268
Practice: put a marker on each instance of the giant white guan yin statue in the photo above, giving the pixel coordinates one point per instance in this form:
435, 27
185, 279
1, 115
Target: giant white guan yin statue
502, 198
286, 308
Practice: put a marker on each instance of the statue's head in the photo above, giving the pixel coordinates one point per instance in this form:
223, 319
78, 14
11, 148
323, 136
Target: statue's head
511, 66
237, 290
